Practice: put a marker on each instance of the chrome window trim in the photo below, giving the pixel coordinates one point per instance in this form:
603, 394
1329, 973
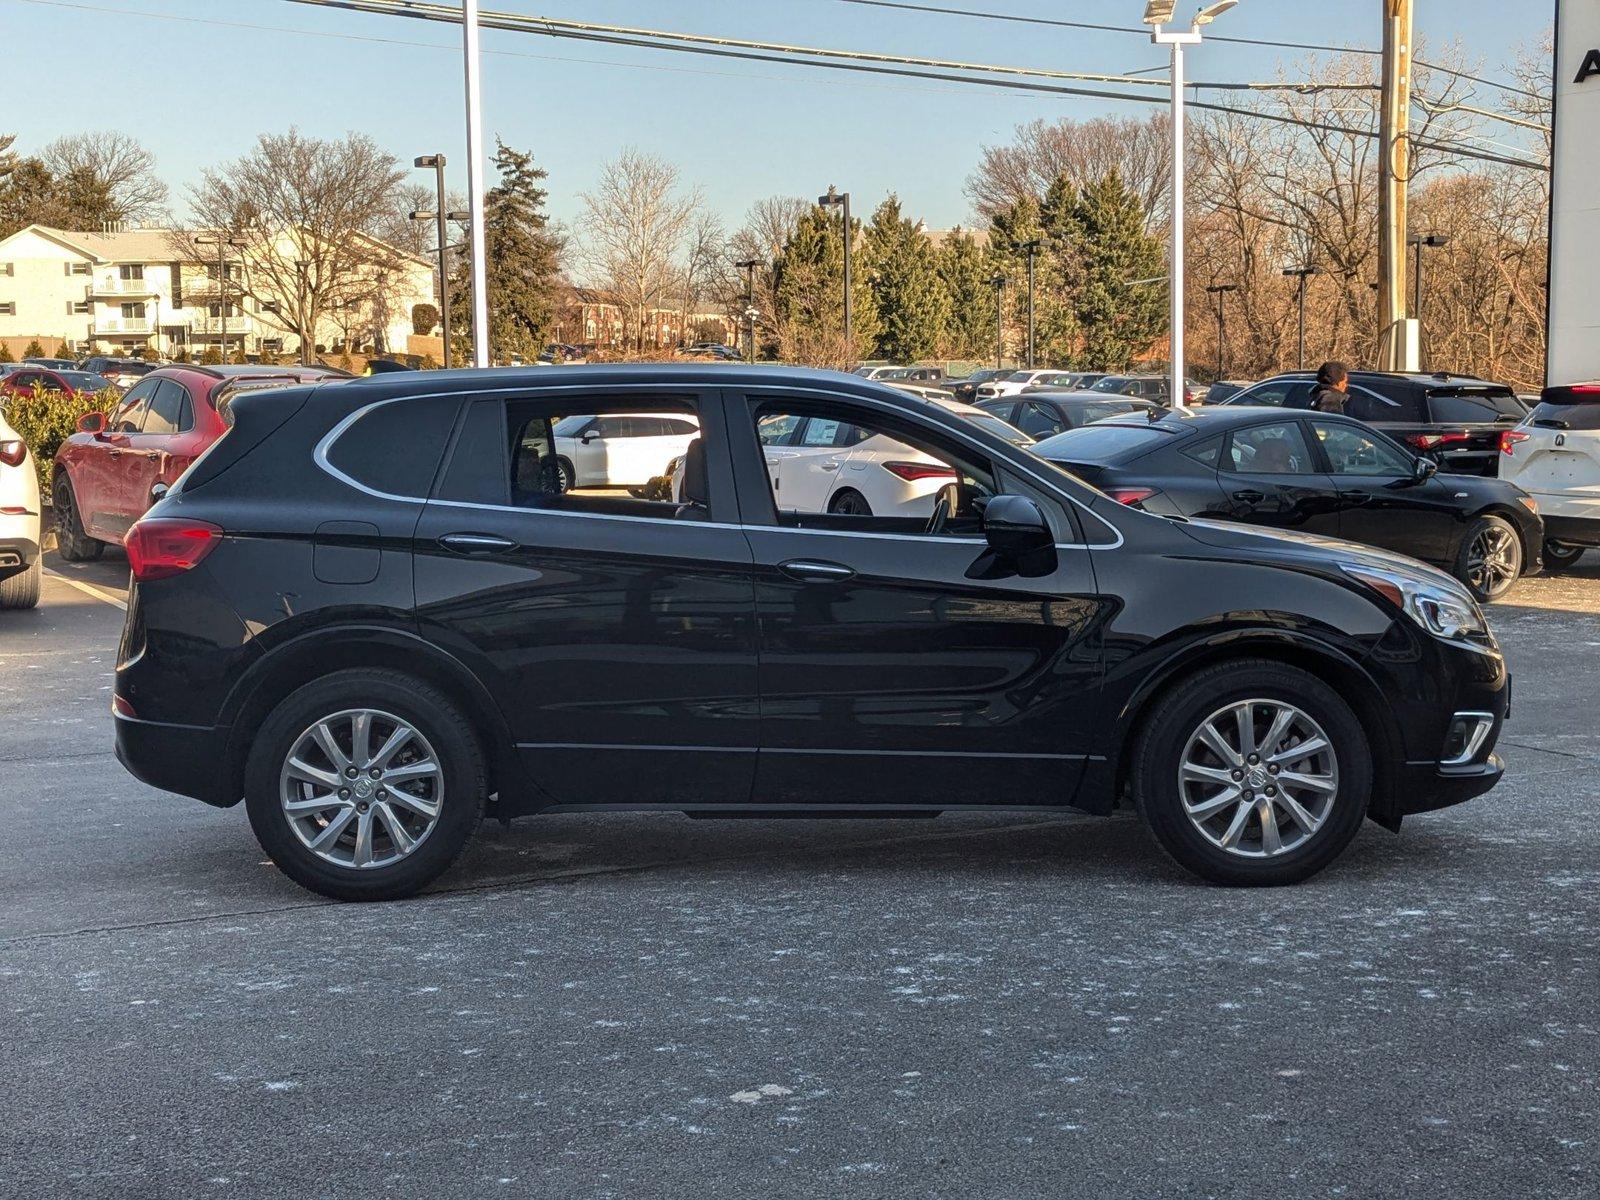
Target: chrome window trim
319, 456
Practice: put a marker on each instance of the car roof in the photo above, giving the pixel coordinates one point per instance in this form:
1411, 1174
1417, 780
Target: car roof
1221, 417
1423, 378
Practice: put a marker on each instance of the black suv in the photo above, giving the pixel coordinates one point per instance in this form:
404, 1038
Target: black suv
375, 612
1456, 420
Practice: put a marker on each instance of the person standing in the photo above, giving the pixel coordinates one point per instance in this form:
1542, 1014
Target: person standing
1333, 382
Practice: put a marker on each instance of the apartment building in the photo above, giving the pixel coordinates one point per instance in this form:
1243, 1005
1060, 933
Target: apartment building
120, 291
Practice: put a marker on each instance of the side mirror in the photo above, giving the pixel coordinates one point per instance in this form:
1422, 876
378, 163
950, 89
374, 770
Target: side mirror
94, 422
158, 492
1424, 469
1016, 530
589, 435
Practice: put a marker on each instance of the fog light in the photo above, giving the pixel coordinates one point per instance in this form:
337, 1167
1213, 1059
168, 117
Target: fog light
1468, 732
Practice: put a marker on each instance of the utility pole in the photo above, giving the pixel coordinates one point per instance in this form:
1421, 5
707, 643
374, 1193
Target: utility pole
475, 189
1032, 250
436, 161
1395, 345
1302, 274
748, 266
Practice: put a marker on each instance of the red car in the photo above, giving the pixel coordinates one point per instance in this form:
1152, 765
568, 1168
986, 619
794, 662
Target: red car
22, 380
106, 472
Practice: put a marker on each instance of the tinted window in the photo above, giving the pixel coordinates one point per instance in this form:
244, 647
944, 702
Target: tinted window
1273, 393
997, 427
1276, 449
1353, 451
167, 408
1365, 406
1299, 394
1101, 443
1464, 407
777, 429
130, 413
1207, 452
1000, 408
83, 381
1039, 420
396, 448
1567, 416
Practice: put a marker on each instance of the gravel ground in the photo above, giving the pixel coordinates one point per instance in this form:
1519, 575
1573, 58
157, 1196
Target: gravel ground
647, 1006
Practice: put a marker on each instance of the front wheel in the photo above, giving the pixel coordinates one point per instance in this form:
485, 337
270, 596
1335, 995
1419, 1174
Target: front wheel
365, 785
1558, 556
1489, 561
1253, 773
72, 543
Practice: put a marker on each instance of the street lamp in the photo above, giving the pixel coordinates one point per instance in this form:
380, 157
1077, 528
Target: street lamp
1157, 14
1302, 274
436, 161
842, 200
222, 243
1219, 290
1032, 250
998, 283
1418, 240
748, 266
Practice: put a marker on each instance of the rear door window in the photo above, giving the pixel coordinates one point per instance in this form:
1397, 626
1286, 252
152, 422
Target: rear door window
129, 415
1276, 449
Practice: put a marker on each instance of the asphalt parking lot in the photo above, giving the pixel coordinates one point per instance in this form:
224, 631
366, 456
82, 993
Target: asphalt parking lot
647, 1006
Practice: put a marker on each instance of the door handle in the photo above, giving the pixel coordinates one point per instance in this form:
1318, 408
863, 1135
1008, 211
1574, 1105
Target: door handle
808, 570
113, 452
1356, 496
829, 464
1250, 496
476, 543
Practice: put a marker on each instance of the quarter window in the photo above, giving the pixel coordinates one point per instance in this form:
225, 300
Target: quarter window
1276, 449
169, 410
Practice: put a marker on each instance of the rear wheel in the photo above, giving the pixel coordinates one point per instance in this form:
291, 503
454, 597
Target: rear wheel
365, 785
1489, 561
1252, 773
72, 543
850, 503
1558, 556
22, 590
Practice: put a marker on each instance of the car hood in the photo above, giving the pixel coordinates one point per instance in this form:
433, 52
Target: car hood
1306, 547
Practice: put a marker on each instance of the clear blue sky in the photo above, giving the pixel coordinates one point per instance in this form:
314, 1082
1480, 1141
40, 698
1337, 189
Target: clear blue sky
197, 93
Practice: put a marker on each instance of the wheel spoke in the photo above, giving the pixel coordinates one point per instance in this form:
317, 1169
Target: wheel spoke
1312, 745
361, 739
1298, 811
1245, 718
1195, 773
1277, 731
416, 770
423, 808
324, 841
1314, 783
300, 769
361, 856
317, 804
391, 746
1236, 826
1210, 735
397, 832
1209, 808
1271, 840
324, 737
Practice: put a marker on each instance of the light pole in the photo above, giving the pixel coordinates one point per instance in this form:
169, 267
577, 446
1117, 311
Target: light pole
1302, 274
842, 200
436, 161
748, 266
1220, 290
1156, 14
998, 283
1032, 250
480, 267
221, 243
1418, 240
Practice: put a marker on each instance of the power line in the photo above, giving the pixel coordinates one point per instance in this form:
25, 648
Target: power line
877, 64
1015, 18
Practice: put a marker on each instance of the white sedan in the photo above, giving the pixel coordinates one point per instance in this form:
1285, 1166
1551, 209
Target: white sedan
20, 522
621, 449
820, 465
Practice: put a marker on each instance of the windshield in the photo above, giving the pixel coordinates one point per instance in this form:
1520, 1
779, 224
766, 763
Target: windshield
1111, 383
999, 428
571, 426
83, 381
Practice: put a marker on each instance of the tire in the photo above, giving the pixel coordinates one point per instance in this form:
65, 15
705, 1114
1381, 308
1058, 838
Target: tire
569, 477
1558, 556
72, 543
458, 792
850, 503
1489, 559
22, 589
1170, 739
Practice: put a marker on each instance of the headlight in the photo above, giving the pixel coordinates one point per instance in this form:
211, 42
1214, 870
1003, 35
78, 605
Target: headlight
1446, 612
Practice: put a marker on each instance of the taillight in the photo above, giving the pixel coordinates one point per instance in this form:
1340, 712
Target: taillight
1432, 441
12, 452
1130, 495
159, 547
1509, 439
913, 471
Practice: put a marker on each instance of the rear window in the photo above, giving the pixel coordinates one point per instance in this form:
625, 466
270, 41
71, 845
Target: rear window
1465, 405
1101, 443
1583, 417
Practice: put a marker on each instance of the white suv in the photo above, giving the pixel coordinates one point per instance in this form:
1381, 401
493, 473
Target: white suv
20, 567
1555, 455
622, 449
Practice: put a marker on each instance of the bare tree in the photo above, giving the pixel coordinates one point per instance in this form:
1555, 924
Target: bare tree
767, 227
116, 163
702, 263
1084, 151
305, 210
632, 231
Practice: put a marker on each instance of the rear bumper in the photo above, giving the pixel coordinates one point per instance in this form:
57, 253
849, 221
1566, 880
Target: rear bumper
17, 554
186, 759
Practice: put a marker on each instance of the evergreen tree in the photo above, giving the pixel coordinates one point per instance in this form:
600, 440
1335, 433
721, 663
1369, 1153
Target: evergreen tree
965, 278
522, 256
1056, 335
64, 351
810, 295
912, 304
5, 353
1120, 313
33, 350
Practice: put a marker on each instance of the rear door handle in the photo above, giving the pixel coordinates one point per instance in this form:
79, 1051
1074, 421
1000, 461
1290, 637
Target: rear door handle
1355, 496
811, 571
1250, 497
476, 543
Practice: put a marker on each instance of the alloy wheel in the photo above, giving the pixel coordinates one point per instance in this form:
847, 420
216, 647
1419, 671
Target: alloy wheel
1494, 560
1258, 778
361, 788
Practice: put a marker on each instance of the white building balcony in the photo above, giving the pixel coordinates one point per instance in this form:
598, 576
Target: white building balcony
213, 326
121, 326
115, 286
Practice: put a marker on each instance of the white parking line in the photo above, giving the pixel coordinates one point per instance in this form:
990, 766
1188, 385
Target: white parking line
89, 589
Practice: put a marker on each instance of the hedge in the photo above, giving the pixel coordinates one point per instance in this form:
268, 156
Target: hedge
46, 419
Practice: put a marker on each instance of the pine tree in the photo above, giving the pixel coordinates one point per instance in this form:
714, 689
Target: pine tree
33, 350
810, 295
1056, 333
965, 277
5, 353
912, 304
522, 258
1119, 311
64, 351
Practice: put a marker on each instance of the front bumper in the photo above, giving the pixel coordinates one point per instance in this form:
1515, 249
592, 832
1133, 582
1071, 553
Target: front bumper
176, 758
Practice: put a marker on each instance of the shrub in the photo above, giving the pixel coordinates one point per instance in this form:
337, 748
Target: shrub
424, 317
46, 419
5, 353
33, 350
212, 357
